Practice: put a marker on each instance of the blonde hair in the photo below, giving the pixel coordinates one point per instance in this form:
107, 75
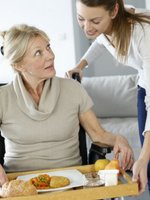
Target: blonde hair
121, 28
17, 40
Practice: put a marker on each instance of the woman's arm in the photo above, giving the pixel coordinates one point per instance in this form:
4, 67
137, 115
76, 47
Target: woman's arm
93, 52
3, 176
140, 166
78, 69
97, 134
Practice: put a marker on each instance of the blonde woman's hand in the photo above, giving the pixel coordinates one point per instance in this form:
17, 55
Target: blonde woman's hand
69, 73
127, 155
140, 175
3, 176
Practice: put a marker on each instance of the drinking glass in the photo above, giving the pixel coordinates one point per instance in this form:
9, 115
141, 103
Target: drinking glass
92, 179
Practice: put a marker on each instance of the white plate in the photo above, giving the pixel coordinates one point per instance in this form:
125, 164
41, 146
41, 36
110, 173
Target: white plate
74, 176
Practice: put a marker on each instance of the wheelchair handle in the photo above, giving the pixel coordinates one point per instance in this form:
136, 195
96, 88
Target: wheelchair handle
76, 77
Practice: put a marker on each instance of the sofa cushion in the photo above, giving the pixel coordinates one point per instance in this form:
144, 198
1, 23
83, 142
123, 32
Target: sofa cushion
113, 96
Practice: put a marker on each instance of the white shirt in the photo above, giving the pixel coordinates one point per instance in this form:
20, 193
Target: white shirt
138, 56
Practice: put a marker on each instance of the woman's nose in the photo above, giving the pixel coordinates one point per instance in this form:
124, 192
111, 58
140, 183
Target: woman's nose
50, 55
87, 26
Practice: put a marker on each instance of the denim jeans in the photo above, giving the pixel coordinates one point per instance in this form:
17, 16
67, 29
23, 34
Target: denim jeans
142, 114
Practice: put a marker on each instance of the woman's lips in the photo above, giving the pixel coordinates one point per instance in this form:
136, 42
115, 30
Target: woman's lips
50, 67
91, 33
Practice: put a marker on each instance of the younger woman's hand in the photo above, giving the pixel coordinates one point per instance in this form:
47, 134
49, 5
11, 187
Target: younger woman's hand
3, 176
69, 73
140, 175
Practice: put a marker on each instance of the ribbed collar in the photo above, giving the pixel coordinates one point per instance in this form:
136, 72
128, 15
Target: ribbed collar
47, 102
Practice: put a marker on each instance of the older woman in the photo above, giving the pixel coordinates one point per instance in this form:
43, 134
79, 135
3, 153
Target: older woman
40, 113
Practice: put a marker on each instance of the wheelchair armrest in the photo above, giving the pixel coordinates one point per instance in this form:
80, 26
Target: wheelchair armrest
98, 151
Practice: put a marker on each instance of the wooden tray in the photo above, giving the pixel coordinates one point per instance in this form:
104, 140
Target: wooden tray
101, 192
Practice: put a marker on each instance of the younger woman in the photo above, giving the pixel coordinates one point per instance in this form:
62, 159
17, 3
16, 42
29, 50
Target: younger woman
125, 33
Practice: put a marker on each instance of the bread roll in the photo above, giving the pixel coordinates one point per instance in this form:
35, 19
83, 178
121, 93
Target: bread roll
16, 188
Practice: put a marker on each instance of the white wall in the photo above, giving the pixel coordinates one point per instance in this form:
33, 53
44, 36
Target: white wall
147, 4
52, 16
136, 3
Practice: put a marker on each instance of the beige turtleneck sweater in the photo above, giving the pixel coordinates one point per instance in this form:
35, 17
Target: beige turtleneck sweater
46, 135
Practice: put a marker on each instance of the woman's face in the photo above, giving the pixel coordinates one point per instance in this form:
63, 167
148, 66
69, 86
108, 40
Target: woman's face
38, 62
93, 20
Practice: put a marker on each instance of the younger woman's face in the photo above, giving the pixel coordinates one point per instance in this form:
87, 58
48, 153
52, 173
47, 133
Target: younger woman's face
94, 20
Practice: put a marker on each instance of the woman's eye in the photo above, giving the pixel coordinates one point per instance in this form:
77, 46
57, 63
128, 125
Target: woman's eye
96, 22
48, 46
38, 53
80, 19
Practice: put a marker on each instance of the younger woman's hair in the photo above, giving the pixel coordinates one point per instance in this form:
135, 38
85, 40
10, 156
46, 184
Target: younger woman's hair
121, 27
17, 40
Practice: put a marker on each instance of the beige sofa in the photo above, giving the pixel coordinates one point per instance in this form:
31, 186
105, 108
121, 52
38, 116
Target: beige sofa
115, 105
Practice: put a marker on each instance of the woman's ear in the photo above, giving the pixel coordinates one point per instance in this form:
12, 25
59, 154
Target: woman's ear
18, 67
115, 11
